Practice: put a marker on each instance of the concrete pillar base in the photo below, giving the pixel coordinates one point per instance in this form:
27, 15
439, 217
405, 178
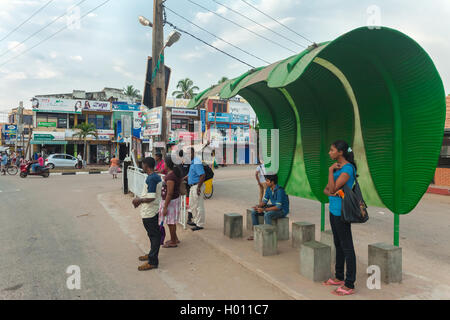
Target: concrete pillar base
232, 225
302, 232
249, 223
326, 237
389, 259
315, 261
282, 227
265, 240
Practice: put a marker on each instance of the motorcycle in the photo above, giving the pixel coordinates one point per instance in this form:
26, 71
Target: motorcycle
25, 170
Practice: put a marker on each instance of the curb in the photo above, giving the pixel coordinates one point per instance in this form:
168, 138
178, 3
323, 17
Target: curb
439, 190
263, 275
77, 173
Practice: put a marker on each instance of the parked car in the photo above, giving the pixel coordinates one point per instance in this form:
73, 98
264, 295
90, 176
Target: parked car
60, 160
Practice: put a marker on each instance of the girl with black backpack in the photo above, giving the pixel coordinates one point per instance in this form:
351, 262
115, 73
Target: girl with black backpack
342, 172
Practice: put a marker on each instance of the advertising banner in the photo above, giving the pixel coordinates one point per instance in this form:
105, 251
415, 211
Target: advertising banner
152, 120
46, 124
68, 105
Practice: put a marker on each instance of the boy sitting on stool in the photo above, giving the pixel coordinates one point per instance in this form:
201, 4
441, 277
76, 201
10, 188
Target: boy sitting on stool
279, 203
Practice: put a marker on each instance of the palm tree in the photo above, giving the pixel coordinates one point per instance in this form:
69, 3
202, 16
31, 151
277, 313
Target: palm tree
186, 89
85, 130
131, 92
222, 80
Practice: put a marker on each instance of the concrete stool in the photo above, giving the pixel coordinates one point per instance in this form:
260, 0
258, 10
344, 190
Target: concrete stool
282, 227
389, 259
265, 239
302, 232
249, 220
326, 237
315, 261
232, 225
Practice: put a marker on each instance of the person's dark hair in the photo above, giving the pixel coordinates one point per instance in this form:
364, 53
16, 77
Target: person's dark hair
150, 162
169, 163
343, 146
158, 155
272, 177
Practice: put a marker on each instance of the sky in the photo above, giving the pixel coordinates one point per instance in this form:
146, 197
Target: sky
108, 48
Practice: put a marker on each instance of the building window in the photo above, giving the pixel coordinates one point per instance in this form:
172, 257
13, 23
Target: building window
62, 121
71, 121
81, 118
100, 121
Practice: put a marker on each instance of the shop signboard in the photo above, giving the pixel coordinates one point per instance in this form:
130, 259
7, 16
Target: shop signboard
68, 105
48, 135
185, 112
177, 103
46, 124
203, 119
103, 134
123, 106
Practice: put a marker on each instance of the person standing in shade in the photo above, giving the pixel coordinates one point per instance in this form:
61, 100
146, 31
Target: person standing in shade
342, 172
150, 201
80, 160
169, 209
279, 203
195, 178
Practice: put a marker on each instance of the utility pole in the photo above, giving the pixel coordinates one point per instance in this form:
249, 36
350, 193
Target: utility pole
158, 84
19, 124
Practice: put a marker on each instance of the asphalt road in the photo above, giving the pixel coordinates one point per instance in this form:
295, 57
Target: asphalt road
47, 225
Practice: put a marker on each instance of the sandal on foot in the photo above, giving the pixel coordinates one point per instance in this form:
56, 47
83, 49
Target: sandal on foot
169, 245
332, 282
343, 292
250, 238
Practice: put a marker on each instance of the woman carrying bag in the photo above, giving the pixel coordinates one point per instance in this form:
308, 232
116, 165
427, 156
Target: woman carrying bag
341, 173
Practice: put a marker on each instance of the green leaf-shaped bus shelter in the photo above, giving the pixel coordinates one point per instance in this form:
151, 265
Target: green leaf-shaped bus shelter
377, 89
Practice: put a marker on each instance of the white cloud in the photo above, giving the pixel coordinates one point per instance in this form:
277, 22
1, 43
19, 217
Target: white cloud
16, 47
76, 58
53, 54
16, 76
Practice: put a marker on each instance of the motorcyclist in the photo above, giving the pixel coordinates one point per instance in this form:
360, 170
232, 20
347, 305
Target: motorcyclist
37, 164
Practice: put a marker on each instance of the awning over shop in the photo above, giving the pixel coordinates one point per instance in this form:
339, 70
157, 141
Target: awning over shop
48, 142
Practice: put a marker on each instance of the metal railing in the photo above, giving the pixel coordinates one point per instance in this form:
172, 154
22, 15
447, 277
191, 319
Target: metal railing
136, 184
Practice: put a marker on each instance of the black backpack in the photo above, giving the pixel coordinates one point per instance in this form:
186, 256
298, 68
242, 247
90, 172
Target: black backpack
209, 174
354, 208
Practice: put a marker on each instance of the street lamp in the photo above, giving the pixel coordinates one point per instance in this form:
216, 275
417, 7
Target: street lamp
145, 22
174, 36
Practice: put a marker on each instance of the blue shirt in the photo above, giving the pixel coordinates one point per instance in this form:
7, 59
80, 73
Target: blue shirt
4, 160
336, 202
195, 171
152, 181
278, 198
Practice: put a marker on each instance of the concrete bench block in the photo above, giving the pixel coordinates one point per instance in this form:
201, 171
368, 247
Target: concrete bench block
326, 237
232, 225
302, 232
249, 222
389, 259
265, 240
282, 227
315, 261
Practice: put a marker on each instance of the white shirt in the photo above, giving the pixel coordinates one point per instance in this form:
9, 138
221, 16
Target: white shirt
149, 210
261, 172
79, 157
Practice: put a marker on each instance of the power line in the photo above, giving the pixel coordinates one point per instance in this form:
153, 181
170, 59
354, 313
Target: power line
246, 52
282, 24
54, 34
29, 18
210, 45
35, 33
231, 21
259, 24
